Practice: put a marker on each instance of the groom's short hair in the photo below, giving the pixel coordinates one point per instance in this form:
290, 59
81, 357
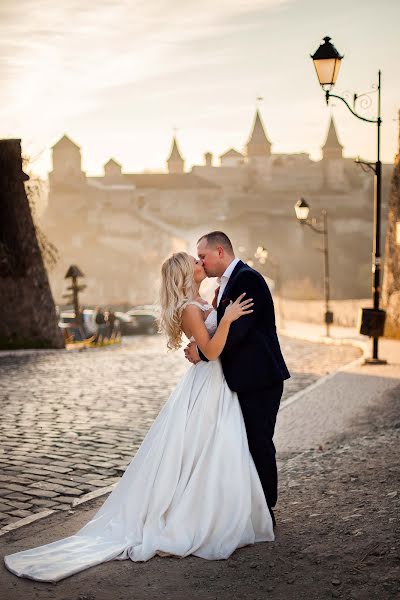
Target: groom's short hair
218, 238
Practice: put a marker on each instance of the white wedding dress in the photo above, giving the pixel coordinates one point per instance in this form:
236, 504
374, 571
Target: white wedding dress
192, 488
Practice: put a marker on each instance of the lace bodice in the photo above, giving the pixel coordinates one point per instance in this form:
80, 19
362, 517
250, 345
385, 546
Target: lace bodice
211, 320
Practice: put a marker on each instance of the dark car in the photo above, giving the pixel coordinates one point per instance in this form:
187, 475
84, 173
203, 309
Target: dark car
126, 324
144, 319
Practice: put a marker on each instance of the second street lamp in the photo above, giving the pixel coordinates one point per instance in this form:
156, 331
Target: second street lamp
302, 210
327, 64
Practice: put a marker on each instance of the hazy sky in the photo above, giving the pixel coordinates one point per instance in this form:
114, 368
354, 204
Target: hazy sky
118, 75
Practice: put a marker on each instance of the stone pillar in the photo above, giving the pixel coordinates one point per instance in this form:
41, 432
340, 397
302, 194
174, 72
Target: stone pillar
28, 317
391, 277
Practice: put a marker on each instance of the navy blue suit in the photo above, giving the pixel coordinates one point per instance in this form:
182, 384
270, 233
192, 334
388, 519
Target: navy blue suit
254, 367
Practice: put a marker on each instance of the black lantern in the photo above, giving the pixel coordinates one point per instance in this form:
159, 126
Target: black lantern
302, 209
327, 63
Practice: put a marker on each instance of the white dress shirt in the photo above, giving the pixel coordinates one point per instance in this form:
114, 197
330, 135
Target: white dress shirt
223, 280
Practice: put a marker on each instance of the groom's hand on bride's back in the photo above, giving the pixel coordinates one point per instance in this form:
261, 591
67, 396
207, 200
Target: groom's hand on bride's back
191, 353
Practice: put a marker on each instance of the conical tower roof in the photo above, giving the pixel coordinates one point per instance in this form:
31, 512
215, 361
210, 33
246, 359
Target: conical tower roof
174, 154
258, 134
258, 143
332, 140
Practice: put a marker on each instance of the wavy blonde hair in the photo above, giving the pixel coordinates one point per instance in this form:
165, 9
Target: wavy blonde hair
177, 289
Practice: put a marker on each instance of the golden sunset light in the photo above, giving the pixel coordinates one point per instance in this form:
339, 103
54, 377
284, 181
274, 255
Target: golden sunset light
119, 76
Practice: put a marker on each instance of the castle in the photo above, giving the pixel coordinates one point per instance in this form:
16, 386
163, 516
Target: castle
119, 227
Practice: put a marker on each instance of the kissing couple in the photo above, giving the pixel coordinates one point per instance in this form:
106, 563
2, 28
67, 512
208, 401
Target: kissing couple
204, 480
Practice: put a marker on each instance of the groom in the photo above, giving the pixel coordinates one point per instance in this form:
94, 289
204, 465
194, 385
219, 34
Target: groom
252, 361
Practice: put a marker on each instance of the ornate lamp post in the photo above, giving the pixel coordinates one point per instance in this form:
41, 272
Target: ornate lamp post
302, 209
327, 62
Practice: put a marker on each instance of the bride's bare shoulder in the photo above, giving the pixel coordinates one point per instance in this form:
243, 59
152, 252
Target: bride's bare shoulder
192, 317
192, 310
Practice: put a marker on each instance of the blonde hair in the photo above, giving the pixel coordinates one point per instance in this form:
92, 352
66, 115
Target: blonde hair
177, 289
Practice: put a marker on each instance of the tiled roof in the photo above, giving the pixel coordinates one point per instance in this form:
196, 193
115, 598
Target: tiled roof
66, 142
232, 153
112, 161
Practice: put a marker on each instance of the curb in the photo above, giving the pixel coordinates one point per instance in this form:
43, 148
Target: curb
26, 521
46, 513
361, 345
298, 395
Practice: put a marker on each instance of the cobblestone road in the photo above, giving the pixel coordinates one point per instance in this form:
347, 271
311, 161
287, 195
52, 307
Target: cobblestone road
71, 421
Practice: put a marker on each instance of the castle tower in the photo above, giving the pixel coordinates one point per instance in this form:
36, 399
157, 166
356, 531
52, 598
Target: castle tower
175, 161
333, 163
67, 162
258, 148
208, 157
112, 169
231, 158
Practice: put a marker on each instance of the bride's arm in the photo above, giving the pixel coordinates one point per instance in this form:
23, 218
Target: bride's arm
192, 321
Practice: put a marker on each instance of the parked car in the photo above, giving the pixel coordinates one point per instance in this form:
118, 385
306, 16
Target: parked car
144, 319
126, 324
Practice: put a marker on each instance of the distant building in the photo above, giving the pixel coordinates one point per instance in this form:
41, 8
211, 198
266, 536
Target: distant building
121, 225
231, 158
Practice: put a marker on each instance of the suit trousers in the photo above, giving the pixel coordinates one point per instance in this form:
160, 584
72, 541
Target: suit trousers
259, 409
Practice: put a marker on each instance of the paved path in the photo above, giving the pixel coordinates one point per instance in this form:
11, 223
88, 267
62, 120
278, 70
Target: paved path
71, 421
336, 536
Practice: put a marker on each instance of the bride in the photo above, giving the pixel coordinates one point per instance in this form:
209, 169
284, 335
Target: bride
192, 487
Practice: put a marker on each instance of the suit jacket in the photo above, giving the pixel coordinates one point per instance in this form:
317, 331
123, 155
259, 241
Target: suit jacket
252, 357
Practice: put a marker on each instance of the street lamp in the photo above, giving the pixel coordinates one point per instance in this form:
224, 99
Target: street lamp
302, 210
327, 64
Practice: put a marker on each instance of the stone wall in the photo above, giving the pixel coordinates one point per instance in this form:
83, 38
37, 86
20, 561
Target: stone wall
118, 249
28, 316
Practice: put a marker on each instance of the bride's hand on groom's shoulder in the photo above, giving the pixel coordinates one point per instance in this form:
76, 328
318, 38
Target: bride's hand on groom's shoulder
238, 309
191, 353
